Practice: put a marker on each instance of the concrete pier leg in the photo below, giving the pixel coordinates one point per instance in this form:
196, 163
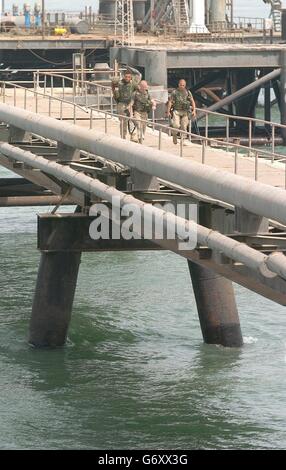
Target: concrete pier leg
216, 307
53, 299
156, 72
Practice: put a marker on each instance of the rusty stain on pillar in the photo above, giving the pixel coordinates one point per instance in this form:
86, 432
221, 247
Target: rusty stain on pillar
216, 307
53, 299
214, 293
55, 289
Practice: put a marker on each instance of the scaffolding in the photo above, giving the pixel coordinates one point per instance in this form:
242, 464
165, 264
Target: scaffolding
124, 23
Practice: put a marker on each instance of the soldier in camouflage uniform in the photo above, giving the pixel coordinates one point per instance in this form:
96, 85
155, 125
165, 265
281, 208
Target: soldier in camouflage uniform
123, 95
142, 105
180, 103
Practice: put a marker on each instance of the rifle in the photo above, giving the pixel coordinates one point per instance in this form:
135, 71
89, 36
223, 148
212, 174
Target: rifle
130, 123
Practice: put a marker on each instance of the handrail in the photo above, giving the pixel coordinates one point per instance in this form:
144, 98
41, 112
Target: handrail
205, 140
200, 110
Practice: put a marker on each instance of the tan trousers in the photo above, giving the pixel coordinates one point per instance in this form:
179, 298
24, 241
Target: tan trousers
121, 108
180, 120
140, 130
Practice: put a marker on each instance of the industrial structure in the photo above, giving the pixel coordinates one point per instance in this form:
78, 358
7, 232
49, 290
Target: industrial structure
49, 140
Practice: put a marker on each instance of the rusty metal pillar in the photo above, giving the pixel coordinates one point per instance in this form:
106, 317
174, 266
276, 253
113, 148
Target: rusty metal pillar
55, 288
283, 94
53, 299
214, 294
216, 307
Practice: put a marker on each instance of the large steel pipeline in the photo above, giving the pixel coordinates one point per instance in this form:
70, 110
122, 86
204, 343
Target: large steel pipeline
269, 265
258, 198
244, 91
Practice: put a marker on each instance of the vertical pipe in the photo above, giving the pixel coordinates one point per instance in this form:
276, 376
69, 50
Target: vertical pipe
283, 95
204, 152
53, 299
105, 123
273, 141
249, 136
256, 166
227, 132
216, 305
111, 102
236, 160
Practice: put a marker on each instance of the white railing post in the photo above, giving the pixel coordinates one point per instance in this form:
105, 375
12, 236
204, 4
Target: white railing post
249, 137
105, 123
227, 132
273, 141
256, 166
236, 160
181, 144
160, 139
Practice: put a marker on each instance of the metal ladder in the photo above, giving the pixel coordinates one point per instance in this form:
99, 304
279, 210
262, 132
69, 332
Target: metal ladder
181, 14
172, 11
275, 13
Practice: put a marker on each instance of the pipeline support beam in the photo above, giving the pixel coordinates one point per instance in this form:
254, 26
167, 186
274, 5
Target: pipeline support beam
216, 306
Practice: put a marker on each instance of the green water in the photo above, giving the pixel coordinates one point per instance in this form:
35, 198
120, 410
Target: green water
134, 373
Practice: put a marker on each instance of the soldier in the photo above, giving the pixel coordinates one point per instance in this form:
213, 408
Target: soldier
123, 95
180, 103
142, 105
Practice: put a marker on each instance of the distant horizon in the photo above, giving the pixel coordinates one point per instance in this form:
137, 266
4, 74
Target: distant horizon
253, 8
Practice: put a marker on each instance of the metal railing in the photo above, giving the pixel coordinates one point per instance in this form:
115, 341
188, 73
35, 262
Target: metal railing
99, 91
78, 112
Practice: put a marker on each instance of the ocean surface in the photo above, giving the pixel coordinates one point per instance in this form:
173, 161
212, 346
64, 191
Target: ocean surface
135, 373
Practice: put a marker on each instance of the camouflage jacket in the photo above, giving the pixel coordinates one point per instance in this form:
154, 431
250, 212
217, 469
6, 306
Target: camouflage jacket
124, 92
142, 102
181, 100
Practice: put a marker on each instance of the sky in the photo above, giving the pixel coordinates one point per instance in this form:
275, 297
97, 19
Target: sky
251, 8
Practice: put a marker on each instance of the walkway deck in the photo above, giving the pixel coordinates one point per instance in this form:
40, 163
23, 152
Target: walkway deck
267, 172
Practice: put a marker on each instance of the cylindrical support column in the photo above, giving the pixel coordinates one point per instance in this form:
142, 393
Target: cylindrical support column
197, 17
283, 24
107, 7
216, 307
217, 11
283, 94
139, 9
53, 299
156, 71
